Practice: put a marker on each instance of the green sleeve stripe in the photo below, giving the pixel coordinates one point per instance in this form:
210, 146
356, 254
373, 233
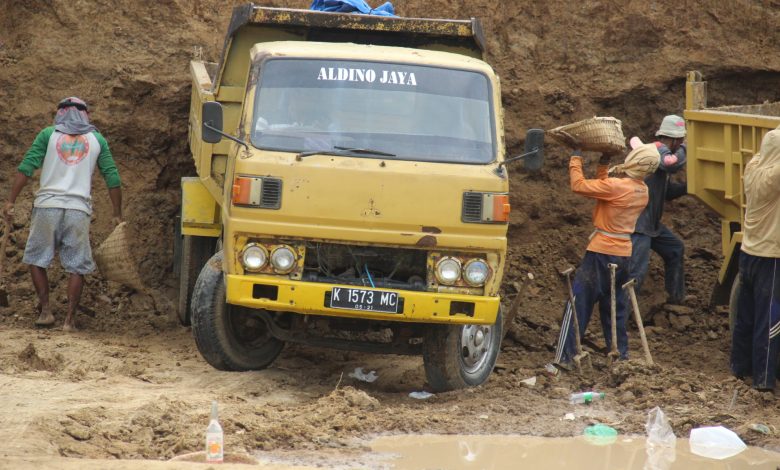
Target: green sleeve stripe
106, 163
33, 159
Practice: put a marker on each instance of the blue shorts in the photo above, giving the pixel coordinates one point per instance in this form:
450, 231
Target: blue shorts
63, 230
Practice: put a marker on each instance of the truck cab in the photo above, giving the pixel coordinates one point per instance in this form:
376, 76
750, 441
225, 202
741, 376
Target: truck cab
351, 193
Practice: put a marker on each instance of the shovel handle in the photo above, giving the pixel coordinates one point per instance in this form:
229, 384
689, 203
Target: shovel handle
613, 306
639, 324
3, 244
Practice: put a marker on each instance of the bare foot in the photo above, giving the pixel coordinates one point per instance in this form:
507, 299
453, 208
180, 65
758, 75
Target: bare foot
69, 326
45, 318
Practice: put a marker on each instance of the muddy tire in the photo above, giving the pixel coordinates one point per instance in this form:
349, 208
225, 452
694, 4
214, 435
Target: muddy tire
228, 337
460, 356
194, 253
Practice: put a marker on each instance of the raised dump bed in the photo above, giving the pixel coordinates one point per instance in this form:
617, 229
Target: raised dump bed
720, 143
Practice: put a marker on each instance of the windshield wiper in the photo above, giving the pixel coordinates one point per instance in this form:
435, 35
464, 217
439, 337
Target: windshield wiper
365, 151
344, 151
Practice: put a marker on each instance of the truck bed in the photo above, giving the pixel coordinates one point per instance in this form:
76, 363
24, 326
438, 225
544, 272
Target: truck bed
720, 143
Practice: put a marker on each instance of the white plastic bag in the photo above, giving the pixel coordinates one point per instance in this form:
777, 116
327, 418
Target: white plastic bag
661, 442
358, 374
716, 442
659, 432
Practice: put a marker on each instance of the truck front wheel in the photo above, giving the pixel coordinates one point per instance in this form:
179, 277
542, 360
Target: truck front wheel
195, 251
228, 337
459, 356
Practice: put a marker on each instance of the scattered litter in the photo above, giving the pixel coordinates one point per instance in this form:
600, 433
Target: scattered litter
483, 416
715, 442
734, 399
421, 395
531, 276
659, 432
569, 417
661, 444
362, 376
762, 428
586, 397
600, 434
530, 381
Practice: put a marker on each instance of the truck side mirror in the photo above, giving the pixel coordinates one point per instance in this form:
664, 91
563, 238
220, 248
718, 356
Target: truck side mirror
211, 116
533, 153
534, 148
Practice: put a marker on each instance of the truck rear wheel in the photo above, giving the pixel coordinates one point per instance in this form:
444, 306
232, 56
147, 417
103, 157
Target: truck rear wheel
195, 251
228, 337
459, 356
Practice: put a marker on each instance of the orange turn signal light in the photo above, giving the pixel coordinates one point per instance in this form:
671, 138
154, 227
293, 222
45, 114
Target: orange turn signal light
501, 208
247, 190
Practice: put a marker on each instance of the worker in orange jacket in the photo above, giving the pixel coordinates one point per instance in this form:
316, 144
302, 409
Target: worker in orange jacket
621, 195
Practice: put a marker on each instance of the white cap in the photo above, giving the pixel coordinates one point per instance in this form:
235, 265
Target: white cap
672, 126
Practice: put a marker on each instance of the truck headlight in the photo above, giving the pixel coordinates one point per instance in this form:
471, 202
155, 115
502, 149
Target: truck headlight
254, 257
476, 272
283, 259
448, 271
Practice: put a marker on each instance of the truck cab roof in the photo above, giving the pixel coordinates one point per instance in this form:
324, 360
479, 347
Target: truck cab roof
252, 24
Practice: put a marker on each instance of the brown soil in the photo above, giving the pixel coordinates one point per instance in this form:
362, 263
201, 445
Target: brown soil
132, 385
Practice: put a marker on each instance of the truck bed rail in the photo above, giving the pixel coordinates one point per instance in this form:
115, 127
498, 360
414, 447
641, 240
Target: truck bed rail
720, 143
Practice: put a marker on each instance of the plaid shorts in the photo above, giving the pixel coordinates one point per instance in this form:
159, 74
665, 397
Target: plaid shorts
66, 230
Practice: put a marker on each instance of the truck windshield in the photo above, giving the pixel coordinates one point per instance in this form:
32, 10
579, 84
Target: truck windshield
413, 112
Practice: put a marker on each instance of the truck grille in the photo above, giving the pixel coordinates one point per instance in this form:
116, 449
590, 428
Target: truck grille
272, 193
472, 207
395, 268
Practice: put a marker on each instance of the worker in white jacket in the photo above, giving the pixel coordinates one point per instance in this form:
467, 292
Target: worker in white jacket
756, 335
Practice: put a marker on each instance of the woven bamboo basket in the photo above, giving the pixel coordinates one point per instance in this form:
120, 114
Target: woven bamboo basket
114, 260
597, 134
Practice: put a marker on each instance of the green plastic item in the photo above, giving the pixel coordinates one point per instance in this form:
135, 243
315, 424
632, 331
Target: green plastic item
600, 434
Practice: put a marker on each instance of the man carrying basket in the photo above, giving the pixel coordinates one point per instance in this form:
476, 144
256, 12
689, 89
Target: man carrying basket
67, 154
620, 195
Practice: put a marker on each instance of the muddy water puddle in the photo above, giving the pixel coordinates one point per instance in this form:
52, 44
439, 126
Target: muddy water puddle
456, 452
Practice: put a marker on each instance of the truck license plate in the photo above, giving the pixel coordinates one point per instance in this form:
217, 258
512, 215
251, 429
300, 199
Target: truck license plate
361, 299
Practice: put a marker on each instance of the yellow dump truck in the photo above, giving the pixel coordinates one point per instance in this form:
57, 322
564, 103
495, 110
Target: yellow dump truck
352, 192
720, 143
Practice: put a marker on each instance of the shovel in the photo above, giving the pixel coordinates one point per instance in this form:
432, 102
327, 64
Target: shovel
581, 354
613, 354
3, 244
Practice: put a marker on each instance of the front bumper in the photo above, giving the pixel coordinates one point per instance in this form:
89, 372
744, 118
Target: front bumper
309, 298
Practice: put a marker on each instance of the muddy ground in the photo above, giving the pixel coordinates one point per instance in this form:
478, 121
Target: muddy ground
131, 384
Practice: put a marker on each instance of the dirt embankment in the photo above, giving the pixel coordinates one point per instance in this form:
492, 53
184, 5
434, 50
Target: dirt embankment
133, 386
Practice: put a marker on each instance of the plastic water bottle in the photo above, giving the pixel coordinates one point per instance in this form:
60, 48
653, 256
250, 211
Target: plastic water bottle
585, 397
214, 436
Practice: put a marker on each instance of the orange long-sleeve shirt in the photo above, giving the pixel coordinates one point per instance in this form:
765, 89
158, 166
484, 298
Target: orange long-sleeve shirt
619, 201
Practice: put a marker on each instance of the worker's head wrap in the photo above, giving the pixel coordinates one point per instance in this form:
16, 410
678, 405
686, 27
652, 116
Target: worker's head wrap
758, 174
761, 226
642, 161
769, 155
72, 117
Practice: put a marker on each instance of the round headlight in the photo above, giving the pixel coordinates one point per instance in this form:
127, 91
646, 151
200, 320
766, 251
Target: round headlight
448, 270
283, 259
476, 272
254, 257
